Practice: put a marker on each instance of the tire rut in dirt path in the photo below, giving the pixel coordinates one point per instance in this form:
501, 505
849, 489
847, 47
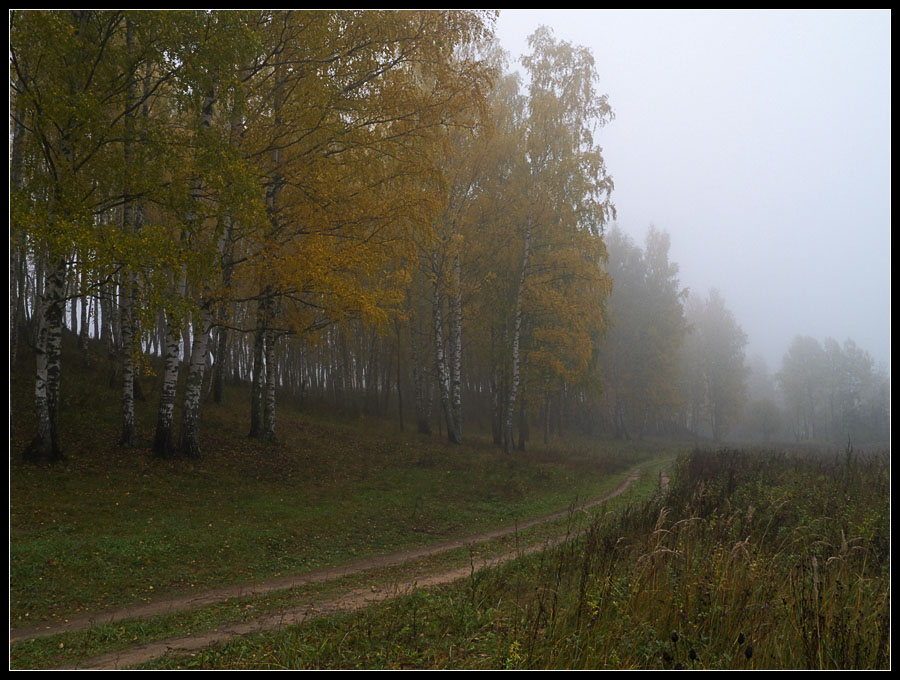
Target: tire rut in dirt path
188, 602
350, 601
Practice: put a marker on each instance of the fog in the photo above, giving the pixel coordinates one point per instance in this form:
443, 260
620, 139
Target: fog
761, 141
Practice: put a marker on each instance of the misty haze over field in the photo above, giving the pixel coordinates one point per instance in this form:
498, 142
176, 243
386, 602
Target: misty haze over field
314, 314
761, 141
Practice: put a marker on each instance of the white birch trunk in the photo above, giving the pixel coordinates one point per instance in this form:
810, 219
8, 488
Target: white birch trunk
45, 446
456, 354
163, 443
440, 366
258, 379
262, 400
85, 319
189, 445
129, 435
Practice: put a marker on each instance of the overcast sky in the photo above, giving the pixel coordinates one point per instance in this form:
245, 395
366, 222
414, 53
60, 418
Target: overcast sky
761, 141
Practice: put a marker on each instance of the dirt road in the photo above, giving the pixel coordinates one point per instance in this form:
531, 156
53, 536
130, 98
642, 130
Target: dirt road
349, 601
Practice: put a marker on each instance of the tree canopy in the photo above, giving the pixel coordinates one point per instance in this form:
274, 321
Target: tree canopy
363, 207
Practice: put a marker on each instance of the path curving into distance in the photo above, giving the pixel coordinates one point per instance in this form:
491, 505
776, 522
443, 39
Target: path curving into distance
347, 602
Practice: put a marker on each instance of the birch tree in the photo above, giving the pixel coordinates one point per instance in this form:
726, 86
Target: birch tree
73, 78
568, 188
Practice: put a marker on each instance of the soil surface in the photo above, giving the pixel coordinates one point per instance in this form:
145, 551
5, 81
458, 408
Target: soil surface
346, 602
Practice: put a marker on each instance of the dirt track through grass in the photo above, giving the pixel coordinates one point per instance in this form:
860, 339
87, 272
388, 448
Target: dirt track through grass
346, 602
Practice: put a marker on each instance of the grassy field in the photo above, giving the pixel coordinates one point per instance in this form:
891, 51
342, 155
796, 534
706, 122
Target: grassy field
113, 527
750, 561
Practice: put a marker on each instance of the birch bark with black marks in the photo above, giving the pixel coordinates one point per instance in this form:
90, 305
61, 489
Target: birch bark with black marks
189, 444
129, 436
456, 353
50, 309
443, 376
164, 440
45, 445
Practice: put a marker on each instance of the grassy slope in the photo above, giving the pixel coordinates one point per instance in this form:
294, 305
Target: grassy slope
115, 526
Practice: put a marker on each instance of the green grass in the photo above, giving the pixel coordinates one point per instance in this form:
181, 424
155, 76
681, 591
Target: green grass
84, 539
76, 646
112, 526
751, 561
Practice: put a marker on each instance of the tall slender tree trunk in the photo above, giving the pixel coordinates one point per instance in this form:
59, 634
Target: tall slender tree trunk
517, 330
129, 435
22, 288
72, 294
221, 350
440, 363
423, 403
258, 379
105, 316
129, 226
189, 444
163, 442
15, 292
523, 420
399, 388
37, 295
346, 382
271, 376
85, 317
45, 445
95, 315
456, 354
50, 308
386, 376
496, 391
17, 248
220, 367
262, 406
